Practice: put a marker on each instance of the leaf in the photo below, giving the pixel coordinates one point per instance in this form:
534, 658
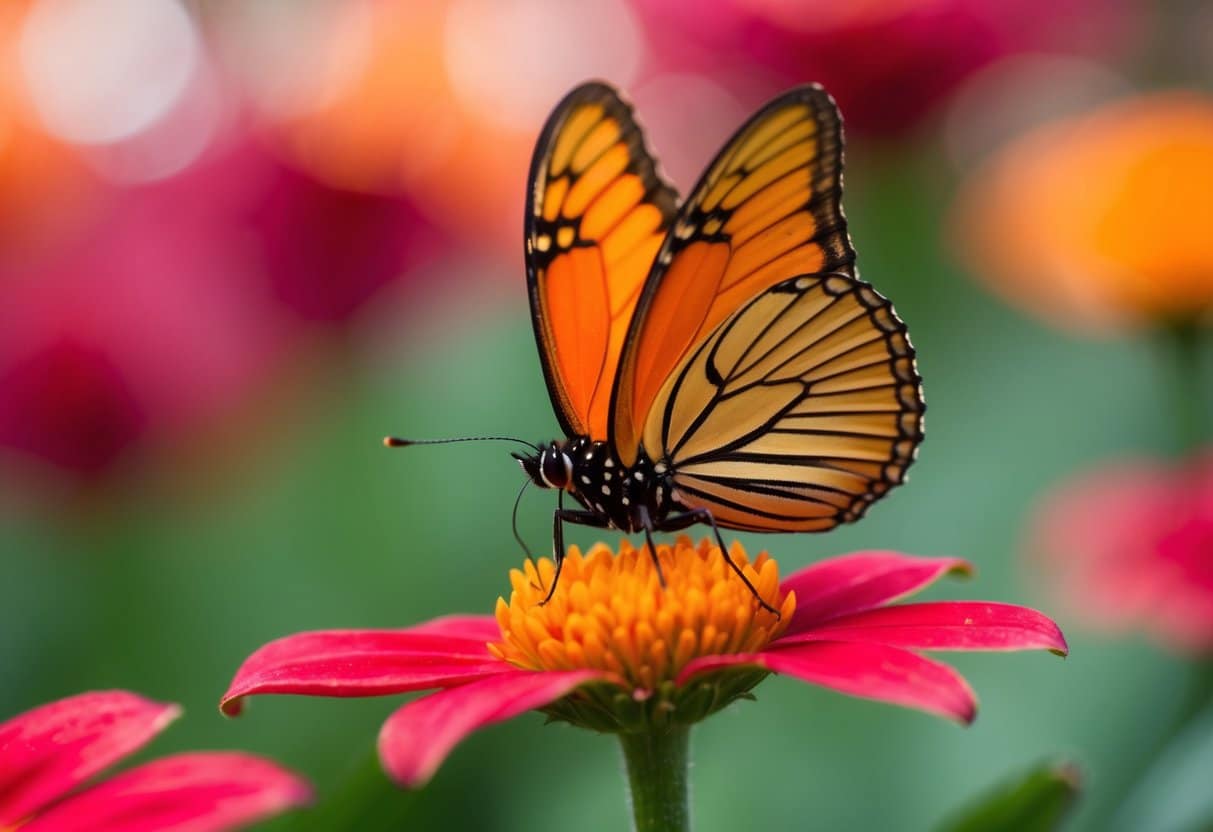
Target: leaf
1174, 794
1035, 802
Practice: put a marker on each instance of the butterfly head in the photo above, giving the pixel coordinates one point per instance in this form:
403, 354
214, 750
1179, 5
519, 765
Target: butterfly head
552, 467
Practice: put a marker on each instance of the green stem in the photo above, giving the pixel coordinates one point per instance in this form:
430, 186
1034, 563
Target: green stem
657, 764
1191, 414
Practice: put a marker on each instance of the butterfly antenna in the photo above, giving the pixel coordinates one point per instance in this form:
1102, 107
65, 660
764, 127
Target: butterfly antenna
397, 442
514, 521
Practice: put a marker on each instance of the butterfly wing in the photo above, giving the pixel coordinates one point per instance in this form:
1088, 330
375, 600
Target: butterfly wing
596, 214
767, 208
797, 412
779, 388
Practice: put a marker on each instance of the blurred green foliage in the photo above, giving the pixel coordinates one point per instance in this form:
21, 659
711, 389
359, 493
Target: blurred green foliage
168, 592
1034, 802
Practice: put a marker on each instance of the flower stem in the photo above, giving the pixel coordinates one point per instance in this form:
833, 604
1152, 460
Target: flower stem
1183, 346
657, 764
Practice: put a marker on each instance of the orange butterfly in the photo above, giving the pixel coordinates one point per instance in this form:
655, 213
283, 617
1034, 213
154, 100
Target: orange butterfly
717, 361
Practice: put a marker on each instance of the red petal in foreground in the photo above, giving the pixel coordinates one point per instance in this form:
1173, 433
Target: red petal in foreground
202, 792
47, 752
873, 671
360, 663
861, 581
944, 625
417, 738
481, 628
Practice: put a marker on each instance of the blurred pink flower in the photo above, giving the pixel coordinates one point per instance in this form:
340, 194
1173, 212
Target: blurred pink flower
49, 753
617, 652
143, 325
1130, 545
178, 301
887, 62
327, 250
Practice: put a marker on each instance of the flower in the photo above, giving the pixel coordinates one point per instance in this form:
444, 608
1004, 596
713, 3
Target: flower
888, 63
615, 651
1130, 545
47, 753
168, 314
468, 128
1100, 219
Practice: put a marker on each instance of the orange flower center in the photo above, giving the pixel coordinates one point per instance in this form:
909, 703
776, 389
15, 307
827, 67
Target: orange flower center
610, 612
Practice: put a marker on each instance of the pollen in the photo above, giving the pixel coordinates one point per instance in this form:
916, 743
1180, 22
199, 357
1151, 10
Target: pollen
611, 613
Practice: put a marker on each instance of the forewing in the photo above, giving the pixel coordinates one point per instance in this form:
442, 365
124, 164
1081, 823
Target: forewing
767, 209
797, 412
596, 214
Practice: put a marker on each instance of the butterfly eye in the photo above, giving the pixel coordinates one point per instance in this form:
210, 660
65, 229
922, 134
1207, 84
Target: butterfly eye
556, 468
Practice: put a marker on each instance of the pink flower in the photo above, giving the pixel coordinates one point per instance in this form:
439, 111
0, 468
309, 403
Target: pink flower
1130, 545
887, 63
48, 753
615, 651
175, 303
328, 251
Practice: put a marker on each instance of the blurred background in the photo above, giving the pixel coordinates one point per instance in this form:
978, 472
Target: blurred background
242, 241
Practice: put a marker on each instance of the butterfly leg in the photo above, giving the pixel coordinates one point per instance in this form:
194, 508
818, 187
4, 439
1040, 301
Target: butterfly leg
559, 518
702, 515
646, 524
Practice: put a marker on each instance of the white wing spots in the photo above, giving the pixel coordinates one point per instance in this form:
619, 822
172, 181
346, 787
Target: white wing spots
585, 480
606, 490
608, 463
659, 468
626, 501
606, 475
639, 475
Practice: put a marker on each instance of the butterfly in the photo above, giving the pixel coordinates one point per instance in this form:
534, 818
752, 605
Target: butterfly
716, 360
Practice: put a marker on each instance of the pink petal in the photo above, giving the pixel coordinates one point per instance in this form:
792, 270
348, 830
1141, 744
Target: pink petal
47, 752
201, 792
873, 671
943, 625
861, 581
417, 738
481, 628
360, 663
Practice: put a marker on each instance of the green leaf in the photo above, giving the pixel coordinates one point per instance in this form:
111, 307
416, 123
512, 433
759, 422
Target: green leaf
1175, 794
1035, 802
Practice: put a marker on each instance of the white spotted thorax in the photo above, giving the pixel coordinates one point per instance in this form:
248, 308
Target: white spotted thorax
629, 499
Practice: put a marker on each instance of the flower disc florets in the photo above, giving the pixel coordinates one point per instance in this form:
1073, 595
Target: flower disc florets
611, 613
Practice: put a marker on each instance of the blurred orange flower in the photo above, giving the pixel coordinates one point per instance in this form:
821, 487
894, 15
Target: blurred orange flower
444, 99
1102, 219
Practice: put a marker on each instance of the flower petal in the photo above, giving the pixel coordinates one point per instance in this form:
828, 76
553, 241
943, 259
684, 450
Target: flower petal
861, 581
360, 663
943, 625
481, 628
417, 738
200, 792
872, 671
47, 752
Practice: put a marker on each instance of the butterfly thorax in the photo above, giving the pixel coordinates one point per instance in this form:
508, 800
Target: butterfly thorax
622, 496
